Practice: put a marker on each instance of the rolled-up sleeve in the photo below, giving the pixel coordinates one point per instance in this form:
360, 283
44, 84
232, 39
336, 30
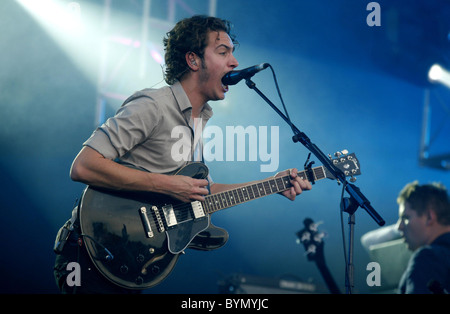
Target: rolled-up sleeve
132, 125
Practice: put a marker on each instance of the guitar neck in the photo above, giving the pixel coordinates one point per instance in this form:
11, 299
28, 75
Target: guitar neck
326, 274
226, 199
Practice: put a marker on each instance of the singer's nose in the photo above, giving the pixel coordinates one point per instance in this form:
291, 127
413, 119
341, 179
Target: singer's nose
233, 62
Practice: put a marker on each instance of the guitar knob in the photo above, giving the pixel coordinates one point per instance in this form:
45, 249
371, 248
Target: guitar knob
139, 280
124, 269
155, 269
140, 258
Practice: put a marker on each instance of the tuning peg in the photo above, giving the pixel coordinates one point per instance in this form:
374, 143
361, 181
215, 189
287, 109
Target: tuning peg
352, 179
311, 249
305, 237
318, 237
342, 152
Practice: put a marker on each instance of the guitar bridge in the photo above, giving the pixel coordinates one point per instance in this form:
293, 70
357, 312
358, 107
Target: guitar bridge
146, 222
158, 219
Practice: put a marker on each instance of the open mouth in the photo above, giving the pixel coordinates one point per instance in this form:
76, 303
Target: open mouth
225, 88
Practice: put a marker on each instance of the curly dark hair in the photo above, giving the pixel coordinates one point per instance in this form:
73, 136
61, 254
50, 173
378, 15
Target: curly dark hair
190, 35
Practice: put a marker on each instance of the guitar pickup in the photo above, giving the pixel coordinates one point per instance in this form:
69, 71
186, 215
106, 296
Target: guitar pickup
169, 214
197, 209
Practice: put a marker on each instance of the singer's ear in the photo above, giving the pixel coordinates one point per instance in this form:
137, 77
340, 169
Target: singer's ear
431, 217
191, 60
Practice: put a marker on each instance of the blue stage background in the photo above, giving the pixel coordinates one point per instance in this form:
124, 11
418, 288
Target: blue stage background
345, 84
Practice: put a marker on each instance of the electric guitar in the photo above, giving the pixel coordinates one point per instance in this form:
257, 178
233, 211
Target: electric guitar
135, 238
312, 241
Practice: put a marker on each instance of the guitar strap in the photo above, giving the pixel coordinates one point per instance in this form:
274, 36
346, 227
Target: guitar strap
197, 144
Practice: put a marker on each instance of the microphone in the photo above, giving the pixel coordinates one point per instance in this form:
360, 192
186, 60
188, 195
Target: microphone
234, 77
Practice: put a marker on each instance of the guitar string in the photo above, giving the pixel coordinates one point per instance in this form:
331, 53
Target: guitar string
224, 200
182, 211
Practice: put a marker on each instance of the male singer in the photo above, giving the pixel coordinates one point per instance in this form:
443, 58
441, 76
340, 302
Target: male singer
133, 149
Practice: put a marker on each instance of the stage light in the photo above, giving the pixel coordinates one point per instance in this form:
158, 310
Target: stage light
112, 56
157, 56
435, 72
62, 16
438, 74
72, 26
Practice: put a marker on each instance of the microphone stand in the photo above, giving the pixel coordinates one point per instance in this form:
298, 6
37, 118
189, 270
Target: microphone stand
348, 204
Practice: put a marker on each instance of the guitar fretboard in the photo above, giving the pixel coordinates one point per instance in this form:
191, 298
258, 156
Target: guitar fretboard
226, 199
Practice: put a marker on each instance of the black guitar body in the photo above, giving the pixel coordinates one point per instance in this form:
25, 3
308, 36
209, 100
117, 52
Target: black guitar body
116, 238
134, 239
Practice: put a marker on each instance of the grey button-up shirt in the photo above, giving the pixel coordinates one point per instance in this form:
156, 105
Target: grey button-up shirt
151, 130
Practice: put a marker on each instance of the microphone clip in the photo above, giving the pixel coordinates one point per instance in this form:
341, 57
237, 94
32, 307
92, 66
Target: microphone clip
308, 169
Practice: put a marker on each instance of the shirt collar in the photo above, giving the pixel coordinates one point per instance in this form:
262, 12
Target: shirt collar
184, 103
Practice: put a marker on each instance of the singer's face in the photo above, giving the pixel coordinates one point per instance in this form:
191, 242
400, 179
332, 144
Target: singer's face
218, 60
412, 226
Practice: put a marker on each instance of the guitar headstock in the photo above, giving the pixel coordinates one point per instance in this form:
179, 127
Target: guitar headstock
312, 240
347, 163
